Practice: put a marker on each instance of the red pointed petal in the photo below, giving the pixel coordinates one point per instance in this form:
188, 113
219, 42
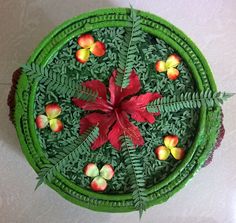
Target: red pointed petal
136, 107
99, 184
177, 153
98, 49
82, 55
172, 73
104, 122
56, 125
91, 170
160, 66
124, 126
97, 86
162, 152
114, 136
171, 141
41, 121
53, 110
117, 94
86, 40
107, 171
100, 103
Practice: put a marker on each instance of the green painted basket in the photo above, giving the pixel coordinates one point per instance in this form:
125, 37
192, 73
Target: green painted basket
208, 125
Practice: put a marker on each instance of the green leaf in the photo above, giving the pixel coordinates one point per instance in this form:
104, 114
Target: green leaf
188, 100
72, 152
127, 52
86, 94
63, 86
136, 173
40, 181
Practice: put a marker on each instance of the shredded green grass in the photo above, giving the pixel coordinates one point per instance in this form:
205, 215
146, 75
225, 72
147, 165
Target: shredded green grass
182, 123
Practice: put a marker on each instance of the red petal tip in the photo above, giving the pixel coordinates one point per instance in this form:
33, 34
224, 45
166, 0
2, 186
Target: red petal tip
86, 40
53, 110
98, 184
91, 170
56, 125
107, 172
171, 141
172, 61
162, 152
82, 55
41, 121
172, 73
98, 49
178, 153
160, 66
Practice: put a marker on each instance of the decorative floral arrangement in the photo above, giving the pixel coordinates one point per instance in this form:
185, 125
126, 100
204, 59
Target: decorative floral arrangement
114, 121
111, 110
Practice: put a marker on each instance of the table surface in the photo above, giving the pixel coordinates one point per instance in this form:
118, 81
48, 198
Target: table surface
210, 197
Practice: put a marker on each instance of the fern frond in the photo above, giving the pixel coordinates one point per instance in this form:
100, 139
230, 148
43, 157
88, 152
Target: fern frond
136, 174
85, 93
188, 100
128, 49
64, 86
70, 153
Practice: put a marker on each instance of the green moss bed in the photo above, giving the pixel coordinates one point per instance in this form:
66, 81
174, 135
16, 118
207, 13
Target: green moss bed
182, 123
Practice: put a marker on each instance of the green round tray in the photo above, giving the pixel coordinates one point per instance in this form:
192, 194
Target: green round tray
208, 126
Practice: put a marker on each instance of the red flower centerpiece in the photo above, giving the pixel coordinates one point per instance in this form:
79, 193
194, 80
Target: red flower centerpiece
111, 114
